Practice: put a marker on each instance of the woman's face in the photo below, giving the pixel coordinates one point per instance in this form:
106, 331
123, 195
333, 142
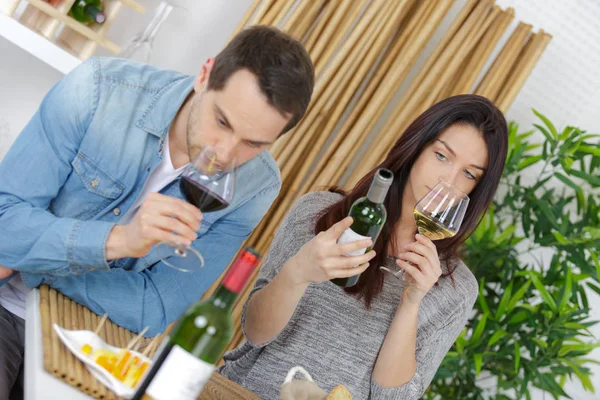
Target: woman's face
458, 156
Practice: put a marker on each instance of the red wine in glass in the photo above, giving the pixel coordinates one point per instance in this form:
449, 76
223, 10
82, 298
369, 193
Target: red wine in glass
201, 196
208, 184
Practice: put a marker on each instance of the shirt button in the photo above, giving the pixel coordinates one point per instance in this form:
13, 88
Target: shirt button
94, 182
117, 212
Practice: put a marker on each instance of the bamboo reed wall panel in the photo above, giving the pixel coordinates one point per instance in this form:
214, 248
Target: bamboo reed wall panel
363, 51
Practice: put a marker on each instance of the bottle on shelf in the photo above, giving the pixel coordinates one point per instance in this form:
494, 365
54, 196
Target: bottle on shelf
86, 11
369, 215
186, 359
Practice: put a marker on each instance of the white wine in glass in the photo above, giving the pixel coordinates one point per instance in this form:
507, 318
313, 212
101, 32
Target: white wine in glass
439, 215
431, 228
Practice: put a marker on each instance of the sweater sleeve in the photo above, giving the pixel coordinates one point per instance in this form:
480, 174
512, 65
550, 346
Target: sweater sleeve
296, 229
431, 350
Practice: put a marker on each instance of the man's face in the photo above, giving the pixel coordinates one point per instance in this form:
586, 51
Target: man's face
237, 122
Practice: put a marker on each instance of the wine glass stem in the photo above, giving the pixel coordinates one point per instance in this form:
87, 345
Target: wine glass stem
180, 250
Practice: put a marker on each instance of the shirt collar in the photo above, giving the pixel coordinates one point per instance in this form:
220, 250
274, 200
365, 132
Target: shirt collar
159, 115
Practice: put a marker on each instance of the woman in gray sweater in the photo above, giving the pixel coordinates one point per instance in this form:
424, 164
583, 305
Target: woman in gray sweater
379, 339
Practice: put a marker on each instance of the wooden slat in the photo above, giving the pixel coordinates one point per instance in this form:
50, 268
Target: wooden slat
220, 388
76, 26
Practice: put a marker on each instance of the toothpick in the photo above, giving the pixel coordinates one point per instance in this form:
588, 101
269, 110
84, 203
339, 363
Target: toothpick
101, 324
137, 338
151, 346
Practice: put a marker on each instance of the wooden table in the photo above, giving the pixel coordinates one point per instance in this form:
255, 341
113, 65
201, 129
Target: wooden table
221, 388
41, 385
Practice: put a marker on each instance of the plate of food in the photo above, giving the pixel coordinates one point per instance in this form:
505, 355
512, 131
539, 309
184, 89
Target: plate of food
119, 369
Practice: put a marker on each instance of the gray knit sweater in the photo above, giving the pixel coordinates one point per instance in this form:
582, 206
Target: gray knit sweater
333, 336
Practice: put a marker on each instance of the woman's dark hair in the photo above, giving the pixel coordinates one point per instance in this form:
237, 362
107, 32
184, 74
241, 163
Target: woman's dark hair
282, 66
472, 110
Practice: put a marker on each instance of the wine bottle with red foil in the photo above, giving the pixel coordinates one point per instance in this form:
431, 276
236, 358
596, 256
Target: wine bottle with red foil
186, 359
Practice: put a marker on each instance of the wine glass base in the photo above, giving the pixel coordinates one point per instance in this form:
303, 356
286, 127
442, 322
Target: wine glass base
399, 275
184, 259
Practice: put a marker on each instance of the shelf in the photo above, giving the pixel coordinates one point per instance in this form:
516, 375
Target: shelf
37, 45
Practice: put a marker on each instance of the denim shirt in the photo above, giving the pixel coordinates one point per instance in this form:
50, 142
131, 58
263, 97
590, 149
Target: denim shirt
78, 166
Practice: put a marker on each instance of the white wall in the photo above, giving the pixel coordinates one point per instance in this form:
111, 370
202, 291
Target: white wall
565, 84
23, 82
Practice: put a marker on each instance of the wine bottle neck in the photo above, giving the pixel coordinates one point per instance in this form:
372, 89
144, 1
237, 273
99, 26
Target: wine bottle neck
376, 194
223, 298
379, 187
94, 12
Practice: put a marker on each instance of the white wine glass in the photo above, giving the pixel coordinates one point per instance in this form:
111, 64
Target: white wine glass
439, 215
209, 185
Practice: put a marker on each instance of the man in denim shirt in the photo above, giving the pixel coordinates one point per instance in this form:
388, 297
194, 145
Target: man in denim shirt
81, 203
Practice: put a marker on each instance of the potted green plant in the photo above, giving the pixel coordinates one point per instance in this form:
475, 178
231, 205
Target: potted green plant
535, 255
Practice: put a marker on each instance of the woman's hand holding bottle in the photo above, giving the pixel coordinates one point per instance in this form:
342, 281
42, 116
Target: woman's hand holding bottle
322, 258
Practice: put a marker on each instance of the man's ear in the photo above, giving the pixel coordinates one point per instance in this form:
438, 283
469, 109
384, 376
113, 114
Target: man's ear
202, 77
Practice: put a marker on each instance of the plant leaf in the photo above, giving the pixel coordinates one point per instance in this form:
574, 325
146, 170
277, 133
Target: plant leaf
548, 124
593, 287
481, 298
583, 377
566, 132
496, 336
560, 238
568, 290
580, 348
574, 186
584, 148
479, 329
504, 301
549, 383
518, 296
549, 137
517, 356
597, 262
478, 358
540, 343
528, 161
548, 299
591, 179
548, 213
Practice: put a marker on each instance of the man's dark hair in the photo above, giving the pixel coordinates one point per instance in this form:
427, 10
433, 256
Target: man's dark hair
282, 66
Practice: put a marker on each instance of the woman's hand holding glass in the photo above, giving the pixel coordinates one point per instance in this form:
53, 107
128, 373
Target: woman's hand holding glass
422, 268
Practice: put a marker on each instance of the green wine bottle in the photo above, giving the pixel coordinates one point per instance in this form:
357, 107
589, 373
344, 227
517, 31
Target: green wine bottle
186, 360
87, 11
369, 215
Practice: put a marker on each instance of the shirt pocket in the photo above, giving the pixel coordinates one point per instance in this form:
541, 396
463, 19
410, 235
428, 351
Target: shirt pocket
88, 191
94, 180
